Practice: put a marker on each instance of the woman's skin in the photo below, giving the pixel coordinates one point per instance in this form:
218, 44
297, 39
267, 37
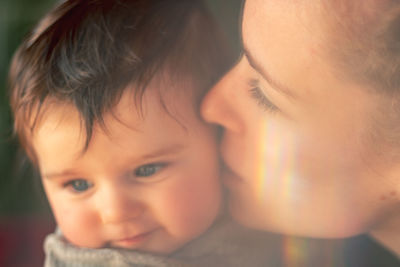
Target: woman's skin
297, 141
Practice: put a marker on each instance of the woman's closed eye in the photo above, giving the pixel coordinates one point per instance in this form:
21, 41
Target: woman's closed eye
78, 185
262, 100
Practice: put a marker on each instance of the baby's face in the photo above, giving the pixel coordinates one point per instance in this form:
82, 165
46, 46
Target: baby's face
150, 183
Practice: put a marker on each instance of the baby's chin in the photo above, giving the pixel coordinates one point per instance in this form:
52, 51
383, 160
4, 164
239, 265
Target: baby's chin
147, 243
86, 243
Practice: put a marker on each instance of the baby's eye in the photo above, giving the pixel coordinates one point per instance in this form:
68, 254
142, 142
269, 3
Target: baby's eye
79, 185
148, 170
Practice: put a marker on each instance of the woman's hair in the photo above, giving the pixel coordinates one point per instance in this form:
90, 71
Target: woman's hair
363, 41
87, 53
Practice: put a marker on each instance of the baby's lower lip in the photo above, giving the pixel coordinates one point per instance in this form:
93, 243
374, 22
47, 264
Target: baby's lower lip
134, 241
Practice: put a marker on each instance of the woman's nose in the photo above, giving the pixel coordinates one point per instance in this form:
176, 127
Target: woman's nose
117, 205
218, 105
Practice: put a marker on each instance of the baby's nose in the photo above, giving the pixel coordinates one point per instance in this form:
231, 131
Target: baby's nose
117, 207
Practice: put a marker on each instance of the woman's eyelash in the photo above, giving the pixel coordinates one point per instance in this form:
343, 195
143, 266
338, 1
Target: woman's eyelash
262, 100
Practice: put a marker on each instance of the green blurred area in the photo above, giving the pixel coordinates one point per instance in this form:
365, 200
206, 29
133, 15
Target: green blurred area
20, 189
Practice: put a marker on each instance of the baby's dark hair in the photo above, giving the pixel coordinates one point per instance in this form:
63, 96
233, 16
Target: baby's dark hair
87, 53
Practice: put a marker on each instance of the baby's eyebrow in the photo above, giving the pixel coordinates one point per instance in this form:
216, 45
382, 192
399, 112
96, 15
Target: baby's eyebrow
172, 149
54, 175
168, 150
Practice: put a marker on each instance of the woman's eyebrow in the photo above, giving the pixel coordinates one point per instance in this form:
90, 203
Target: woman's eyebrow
273, 82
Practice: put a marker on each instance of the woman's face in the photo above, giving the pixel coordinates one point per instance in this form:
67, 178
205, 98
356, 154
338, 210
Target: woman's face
297, 147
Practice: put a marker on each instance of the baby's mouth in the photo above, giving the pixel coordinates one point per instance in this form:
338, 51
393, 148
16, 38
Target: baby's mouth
133, 242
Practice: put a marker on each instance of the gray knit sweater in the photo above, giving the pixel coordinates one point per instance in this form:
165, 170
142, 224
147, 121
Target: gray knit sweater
224, 244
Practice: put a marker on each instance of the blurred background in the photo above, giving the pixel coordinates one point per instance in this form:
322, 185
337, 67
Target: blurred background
24, 214
18, 189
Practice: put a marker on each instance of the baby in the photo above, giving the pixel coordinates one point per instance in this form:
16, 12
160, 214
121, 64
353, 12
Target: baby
105, 96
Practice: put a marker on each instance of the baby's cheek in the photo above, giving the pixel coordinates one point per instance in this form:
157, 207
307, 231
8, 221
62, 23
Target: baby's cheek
193, 206
80, 226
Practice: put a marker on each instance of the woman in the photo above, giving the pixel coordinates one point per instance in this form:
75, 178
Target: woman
311, 114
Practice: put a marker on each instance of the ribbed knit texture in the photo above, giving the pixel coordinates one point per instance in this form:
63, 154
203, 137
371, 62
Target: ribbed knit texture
225, 244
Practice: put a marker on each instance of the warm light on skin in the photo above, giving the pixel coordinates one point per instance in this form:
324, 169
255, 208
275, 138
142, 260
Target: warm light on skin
158, 213
306, 167
280, 150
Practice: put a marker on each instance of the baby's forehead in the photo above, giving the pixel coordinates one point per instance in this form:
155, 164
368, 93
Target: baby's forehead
56, 116
161, 98
159, 125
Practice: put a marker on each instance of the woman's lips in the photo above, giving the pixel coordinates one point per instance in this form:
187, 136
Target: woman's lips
229, 177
